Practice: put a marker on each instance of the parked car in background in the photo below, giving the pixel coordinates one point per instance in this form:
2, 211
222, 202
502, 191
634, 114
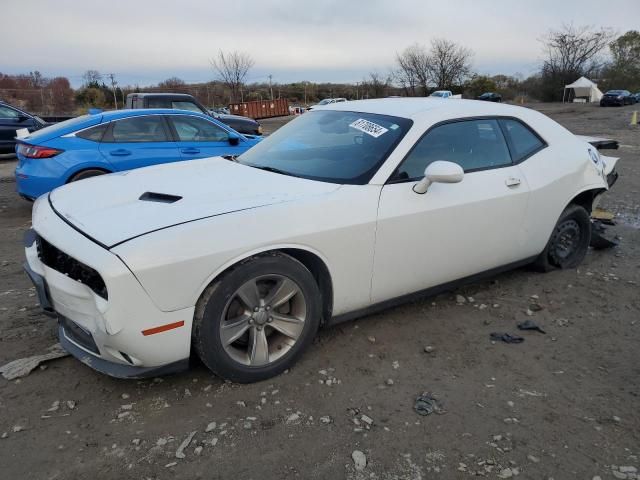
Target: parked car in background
616, 98
636, 97
119, 140
183, 101
327, 101
13, 119
344, 211
490, 97
444, 94
220, 111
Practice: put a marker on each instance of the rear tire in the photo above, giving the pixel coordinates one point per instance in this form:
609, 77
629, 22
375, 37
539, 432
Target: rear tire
256, 320
92, 172
569, 241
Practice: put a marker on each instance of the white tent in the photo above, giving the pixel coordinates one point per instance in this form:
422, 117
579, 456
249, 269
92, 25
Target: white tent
582, 88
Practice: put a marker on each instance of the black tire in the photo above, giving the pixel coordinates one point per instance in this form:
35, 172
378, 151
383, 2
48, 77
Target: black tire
92, 172
569, 241
210, 310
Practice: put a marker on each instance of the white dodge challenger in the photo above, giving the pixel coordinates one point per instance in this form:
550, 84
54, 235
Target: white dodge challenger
346, 210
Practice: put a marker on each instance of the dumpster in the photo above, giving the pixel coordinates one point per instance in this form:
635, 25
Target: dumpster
261, 108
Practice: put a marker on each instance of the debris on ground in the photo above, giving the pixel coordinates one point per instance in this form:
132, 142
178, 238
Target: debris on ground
603, 215
530, 325
359, 460
24, 366
426, 404
506, 338
598, 239
185, 444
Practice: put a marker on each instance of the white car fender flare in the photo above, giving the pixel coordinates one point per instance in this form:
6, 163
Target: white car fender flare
263, 249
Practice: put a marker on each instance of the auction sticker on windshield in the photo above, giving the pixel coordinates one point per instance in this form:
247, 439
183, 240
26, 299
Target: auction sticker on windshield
369, 128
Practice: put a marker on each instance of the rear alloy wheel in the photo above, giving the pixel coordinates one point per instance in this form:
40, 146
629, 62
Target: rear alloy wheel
569, 241
93, 172
257, 318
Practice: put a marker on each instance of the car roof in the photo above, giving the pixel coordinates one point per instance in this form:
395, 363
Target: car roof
163, 94
126, 113
416, 107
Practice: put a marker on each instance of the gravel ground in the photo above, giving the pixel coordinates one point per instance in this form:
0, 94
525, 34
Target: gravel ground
561, 405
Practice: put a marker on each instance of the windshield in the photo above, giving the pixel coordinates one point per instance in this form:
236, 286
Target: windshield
326, 101
615, 92
330, 146
437, 94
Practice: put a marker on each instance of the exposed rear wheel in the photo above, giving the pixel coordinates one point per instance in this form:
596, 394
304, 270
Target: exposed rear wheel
569, 241
92, 172
255, 321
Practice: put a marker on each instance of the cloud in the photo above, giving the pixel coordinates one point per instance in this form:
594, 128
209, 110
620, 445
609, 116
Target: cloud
148, 40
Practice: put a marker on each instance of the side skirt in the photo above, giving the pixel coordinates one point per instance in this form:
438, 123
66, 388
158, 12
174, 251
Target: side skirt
428, 292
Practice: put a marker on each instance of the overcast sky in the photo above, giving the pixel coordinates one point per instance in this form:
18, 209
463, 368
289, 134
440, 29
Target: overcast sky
146, 41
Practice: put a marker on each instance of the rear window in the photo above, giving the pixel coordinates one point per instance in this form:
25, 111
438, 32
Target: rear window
62, 127
523, 142
94, 134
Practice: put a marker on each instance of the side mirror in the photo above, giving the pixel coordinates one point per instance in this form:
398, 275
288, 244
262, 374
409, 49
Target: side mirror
21, 118
439, 172
234, 139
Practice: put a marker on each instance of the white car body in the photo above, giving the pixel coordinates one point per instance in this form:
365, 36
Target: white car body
156, 259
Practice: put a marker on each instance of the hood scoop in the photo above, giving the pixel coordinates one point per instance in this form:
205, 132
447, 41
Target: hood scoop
159, 197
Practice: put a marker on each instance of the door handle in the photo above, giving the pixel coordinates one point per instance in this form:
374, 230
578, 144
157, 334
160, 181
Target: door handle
121, 152
190, 151
512, 182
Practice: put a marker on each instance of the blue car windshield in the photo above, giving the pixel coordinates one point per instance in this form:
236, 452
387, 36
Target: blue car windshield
330, 146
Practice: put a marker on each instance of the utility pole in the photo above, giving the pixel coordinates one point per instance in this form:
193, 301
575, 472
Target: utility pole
270, 87
112, 77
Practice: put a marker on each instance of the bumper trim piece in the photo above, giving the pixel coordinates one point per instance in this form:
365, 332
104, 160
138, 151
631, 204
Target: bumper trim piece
115, 369
41, 290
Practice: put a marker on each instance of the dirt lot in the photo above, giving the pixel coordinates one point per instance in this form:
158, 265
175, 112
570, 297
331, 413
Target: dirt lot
561, 405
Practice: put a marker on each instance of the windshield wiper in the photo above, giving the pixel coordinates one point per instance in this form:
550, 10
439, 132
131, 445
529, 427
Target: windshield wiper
272, 169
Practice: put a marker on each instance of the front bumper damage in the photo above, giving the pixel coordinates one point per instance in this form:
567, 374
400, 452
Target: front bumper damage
107, 336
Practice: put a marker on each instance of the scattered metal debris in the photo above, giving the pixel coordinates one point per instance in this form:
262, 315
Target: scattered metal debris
598, 240
506, 337
530, 325
185, 444
24, 366
426, 404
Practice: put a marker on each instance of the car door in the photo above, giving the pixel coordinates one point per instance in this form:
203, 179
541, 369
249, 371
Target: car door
139, 141
10, 121
201, 138
453, 230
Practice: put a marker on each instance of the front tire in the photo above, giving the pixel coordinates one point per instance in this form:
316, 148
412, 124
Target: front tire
257, 319
569, 241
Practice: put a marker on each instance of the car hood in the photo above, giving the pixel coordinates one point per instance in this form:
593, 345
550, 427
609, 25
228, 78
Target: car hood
226, 116
114, 208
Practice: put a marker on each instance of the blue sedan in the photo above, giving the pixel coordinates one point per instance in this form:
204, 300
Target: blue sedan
114, 141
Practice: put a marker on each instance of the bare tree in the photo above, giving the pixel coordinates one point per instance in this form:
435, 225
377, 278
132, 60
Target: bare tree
449, 64
445, 65
571, 52
232, 69
413, 69
172, 83
575, 50
375, 86
91, 77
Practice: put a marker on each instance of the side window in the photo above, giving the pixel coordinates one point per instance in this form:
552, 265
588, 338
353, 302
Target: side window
193, 129
6, 112
158, 102
94, 134
522, 140
472, 144
192, 107
138, 129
